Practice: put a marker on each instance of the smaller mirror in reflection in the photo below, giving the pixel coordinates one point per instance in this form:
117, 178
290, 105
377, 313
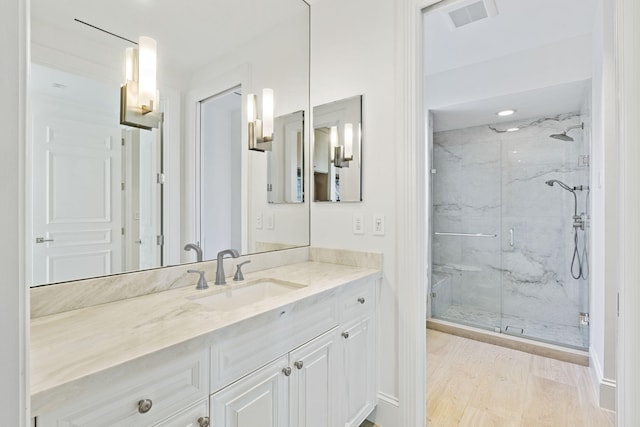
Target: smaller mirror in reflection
337, 151
285, 163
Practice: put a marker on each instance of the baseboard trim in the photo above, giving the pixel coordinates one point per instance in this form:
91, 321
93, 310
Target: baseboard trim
387, 412
604, 388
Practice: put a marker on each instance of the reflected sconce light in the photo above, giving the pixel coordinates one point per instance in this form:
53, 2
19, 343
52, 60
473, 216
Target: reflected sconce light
260, 131
139, 106
343, 154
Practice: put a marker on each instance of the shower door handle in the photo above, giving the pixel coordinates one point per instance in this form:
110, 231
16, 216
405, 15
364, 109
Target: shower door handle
511, 237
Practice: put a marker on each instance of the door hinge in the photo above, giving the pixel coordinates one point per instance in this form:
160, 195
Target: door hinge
160, 178
122, 186
122, 141
160, 240
122, 231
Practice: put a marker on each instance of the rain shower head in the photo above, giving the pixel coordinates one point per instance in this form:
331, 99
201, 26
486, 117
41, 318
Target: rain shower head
563, 136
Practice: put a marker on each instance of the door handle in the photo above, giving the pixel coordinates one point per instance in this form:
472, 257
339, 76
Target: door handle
511, 237
43, 240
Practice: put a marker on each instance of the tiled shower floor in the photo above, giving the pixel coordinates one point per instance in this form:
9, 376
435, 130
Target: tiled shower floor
571, 336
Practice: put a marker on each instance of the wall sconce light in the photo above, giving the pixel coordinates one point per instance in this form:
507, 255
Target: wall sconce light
260, 130
139, 99
343, 154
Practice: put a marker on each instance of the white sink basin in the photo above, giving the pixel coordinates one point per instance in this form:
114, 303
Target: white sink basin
245, 294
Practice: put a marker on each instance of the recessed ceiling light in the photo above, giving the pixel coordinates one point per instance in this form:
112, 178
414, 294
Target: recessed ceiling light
513, 129
505, 113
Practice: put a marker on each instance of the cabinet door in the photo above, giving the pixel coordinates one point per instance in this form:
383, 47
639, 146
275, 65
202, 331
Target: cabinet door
359, 371
259, 399
313, 396
195, 416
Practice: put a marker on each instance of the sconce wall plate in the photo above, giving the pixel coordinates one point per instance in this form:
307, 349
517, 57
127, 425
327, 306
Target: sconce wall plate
131, 114
256, 143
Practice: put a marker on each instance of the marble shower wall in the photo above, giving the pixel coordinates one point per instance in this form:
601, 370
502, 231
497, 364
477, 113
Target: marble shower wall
491, 182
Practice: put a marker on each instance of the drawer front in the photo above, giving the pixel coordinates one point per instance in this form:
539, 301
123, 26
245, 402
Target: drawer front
357, 300
168, 388
257, 341
195, 416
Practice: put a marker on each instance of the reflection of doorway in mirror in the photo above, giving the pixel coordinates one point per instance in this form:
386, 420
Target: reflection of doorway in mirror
76, 223
141, 199
221, 173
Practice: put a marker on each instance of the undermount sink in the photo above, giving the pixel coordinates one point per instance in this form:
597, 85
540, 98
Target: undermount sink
246, 293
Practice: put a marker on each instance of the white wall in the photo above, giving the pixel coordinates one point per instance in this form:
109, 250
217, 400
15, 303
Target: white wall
13, 304
604, 195
352, 51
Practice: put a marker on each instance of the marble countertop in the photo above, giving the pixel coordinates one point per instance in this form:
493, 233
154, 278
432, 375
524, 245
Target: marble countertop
67, 348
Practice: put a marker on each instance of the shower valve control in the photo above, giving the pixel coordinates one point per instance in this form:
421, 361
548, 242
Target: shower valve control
579, 221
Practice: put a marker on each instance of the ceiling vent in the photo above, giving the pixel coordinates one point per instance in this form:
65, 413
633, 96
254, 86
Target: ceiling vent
466, 12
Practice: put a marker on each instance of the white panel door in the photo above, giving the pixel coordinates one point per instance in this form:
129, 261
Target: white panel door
76, 195
259, 399
359, 372
150, 211
314, 401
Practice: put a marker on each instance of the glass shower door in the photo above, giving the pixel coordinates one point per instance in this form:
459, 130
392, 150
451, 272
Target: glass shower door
466, 249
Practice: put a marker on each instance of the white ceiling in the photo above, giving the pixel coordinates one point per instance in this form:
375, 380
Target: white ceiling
519, 26
189, 34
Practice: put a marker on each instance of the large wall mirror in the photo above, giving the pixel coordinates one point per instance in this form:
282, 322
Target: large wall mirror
337, 151
107, 198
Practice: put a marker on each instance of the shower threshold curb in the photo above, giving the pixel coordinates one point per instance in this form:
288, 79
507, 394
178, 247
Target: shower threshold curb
552, 351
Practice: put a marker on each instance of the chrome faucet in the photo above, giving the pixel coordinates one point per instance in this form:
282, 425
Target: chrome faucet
196, 248
220, 270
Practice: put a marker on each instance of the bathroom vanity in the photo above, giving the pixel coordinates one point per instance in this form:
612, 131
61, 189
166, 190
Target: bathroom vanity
293, 345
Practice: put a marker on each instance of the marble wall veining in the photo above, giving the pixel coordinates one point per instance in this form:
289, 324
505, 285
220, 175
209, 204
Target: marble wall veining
490, 181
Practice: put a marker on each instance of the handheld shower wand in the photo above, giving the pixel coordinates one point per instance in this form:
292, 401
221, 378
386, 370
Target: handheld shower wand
578, 223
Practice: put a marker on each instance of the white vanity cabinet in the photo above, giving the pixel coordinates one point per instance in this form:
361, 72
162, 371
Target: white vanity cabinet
298, 389
309, 363
358, 379
143, 396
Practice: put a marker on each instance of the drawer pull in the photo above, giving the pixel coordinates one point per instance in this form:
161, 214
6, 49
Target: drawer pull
286, 371
345, 335
361, 300
298, 364
144, 406
203, 422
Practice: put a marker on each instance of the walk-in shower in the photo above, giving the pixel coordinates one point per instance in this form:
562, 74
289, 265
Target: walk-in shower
509, 254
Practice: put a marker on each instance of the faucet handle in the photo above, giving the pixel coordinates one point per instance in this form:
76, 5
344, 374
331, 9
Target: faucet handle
202, 282
239, 276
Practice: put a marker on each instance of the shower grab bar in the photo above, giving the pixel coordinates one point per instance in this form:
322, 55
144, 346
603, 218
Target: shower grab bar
441, 233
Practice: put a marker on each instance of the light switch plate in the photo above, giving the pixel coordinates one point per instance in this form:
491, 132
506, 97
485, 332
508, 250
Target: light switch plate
259, 221
271, 221
358, 224
378, 224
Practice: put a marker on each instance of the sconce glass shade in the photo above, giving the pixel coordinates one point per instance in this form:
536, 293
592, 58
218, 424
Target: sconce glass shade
146, 73
348, 141
333, 141
252, 114
267, 113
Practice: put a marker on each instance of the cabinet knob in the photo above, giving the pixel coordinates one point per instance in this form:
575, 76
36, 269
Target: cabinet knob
203, 422
345, 335
286, 371
144, 406
298, 364
361, 300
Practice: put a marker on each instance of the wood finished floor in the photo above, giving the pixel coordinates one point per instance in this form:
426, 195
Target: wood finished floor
470, 383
